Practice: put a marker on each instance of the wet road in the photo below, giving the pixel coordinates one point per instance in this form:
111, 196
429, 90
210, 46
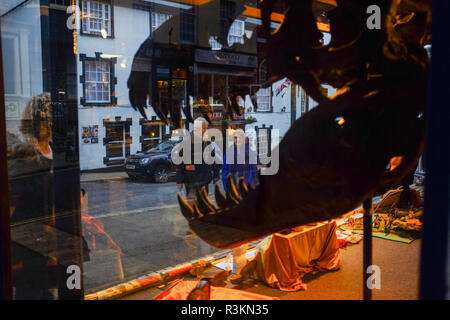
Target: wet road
144, 220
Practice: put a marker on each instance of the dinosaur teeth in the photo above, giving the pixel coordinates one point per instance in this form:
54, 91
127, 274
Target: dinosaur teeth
243, 189
221, 199
231, 189
204, 194
197, 213
204, 203
186, 209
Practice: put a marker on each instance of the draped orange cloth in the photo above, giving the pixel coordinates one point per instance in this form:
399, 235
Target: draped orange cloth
283, 261
181, 290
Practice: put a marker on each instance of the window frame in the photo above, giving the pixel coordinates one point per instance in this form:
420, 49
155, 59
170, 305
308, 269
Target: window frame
87, 19
112, 80
233, 28
262, 78
268, 130
269, 95
153, 20
188, 13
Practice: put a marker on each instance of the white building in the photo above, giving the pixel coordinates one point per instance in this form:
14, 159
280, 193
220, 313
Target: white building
278, 106
274, 114
109, 128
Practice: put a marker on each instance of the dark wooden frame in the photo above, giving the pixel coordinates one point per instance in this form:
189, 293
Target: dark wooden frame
111, 3
5, 231
112, 80
128, 139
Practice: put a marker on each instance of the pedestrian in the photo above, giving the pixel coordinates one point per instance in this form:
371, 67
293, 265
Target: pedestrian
248, 169
195, 176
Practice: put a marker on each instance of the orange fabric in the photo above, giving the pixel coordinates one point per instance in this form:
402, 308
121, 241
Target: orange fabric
181, 290
289, 257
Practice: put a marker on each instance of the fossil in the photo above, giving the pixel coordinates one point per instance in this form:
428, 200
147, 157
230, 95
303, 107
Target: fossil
336, 155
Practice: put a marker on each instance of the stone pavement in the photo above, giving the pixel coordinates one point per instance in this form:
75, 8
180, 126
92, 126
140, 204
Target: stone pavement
103, 176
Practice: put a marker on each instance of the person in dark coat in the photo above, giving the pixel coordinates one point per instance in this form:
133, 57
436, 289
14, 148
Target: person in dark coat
195, 176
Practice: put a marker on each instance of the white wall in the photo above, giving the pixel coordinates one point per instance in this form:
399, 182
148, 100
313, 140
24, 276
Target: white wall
22, 57
131, 28
91, 155
279, 120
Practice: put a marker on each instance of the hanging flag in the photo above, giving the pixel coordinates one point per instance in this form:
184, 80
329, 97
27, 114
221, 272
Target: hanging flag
283, 86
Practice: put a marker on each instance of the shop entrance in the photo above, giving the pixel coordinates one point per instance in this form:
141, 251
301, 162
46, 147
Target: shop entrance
117, 141
115, 144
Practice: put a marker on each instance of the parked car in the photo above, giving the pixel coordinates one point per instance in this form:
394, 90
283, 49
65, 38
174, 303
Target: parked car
154, 163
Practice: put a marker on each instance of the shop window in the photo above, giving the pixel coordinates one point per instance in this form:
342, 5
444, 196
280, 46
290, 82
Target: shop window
204, 87
220, 83
151, 133
179, 93
158, 18
97, 18
98, 81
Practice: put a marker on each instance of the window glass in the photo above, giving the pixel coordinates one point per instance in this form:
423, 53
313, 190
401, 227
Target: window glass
96, 18
94, 98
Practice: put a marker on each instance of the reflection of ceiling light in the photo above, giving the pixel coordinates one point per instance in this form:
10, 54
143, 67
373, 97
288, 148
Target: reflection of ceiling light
109, 56
171, 4
104, 33
123, 64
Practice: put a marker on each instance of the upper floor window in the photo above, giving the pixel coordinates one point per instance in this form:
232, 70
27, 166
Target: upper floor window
158, 19
187, 25
264, 95
236, 33
98, 81
97, 18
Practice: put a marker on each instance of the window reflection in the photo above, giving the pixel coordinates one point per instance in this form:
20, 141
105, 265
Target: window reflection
71, 127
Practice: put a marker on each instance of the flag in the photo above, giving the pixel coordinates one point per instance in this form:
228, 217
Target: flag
283, 86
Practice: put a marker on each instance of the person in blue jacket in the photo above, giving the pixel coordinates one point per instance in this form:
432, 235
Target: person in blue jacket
248, 169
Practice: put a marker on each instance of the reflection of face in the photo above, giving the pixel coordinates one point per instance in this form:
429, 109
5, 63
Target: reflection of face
204, 127
238, 140
200, 128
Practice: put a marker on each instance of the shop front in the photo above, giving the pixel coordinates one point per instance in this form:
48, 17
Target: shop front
216, 73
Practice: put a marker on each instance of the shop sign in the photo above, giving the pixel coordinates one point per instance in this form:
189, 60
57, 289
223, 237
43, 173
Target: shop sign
226, 58
179, 73
162, 72
12, 110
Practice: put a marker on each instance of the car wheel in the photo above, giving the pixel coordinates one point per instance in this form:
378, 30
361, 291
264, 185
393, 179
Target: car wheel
161, 174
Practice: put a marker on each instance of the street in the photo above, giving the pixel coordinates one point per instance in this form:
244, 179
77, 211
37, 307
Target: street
144, 221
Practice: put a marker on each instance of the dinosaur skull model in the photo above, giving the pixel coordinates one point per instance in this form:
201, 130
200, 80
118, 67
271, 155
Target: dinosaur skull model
335, 156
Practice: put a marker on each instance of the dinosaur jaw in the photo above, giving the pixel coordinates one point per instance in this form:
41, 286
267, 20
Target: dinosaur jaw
222, 236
